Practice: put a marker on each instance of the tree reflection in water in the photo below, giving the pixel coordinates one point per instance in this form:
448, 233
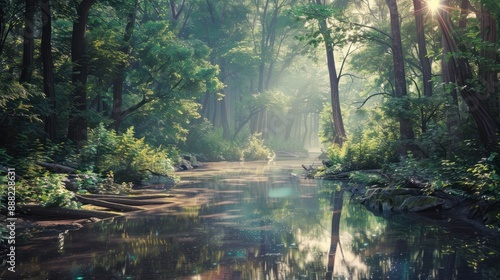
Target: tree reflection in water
260, 225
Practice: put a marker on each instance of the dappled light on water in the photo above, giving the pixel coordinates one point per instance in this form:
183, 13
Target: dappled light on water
257, 221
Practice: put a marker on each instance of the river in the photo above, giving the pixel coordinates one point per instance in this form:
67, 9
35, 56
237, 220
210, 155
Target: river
257, 220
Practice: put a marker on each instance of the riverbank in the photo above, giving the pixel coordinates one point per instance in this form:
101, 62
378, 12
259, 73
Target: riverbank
383, 195
380, 198
42, 221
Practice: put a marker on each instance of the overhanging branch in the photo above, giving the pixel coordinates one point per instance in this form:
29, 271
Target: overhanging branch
369, 97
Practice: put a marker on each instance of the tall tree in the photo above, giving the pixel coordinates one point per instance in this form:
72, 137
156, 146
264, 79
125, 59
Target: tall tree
487, 72
270, 27
116, 114
453, 117
176, 11
28, 41
422, 47
405, 125
321, 13
48, 70
77, 127
338, 122
460, 73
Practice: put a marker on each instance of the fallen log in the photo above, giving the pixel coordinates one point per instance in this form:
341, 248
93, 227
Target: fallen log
337, 176
124, 200
140, 197
57, 168
63, 213
310, 168
155, 173
110, 205
3, 168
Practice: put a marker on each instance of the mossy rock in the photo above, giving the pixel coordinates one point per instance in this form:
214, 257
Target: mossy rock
402, 199
421, 203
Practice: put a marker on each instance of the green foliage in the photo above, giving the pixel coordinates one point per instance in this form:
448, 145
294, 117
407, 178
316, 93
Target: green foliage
256, 150
479, 180
410, 168
95, 183
209, 144
483, 178
272, 100
326, 133
366, 179
130, 159
37, 185
316, 15
21, 106
46, 189
366, 149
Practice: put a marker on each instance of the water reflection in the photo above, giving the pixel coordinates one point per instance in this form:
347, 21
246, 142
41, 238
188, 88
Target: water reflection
259, 225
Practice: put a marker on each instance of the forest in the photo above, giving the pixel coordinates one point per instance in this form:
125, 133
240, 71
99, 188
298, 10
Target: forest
118, 91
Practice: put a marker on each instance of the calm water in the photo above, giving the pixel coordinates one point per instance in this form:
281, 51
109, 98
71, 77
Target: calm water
257, 221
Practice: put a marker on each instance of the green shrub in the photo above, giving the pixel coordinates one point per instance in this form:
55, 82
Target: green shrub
256, 150
130, 159
232, 152
362, 150
209, 144
94, 183
367, 179
478, 180
410, 168
483, 178
47, 189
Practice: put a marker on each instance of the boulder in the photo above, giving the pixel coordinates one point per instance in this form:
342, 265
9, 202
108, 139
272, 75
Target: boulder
421, 203
187, 162
401, 199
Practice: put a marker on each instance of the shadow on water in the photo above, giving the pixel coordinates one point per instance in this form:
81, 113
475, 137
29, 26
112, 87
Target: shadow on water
257, 221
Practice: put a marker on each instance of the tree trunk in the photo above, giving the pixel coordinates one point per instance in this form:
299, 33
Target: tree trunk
48, 70
422, 47
28, 41
461, 73
338, 122
405, 125
57, 168
223, 104
2, 24
224, 117
77, 127
337, 201
453, 118
175, 14
489, 76
116, 114
290, 120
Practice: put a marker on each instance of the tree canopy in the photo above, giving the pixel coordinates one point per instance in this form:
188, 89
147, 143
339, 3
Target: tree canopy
376, 79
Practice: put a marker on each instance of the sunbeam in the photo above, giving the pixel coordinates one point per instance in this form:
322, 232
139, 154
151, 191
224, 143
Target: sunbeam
433, 5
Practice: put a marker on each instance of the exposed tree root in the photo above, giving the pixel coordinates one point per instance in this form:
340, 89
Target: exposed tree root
110, 205
123, 200
63, 213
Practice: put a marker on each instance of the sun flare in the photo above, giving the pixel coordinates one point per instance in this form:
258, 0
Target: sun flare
433, 5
